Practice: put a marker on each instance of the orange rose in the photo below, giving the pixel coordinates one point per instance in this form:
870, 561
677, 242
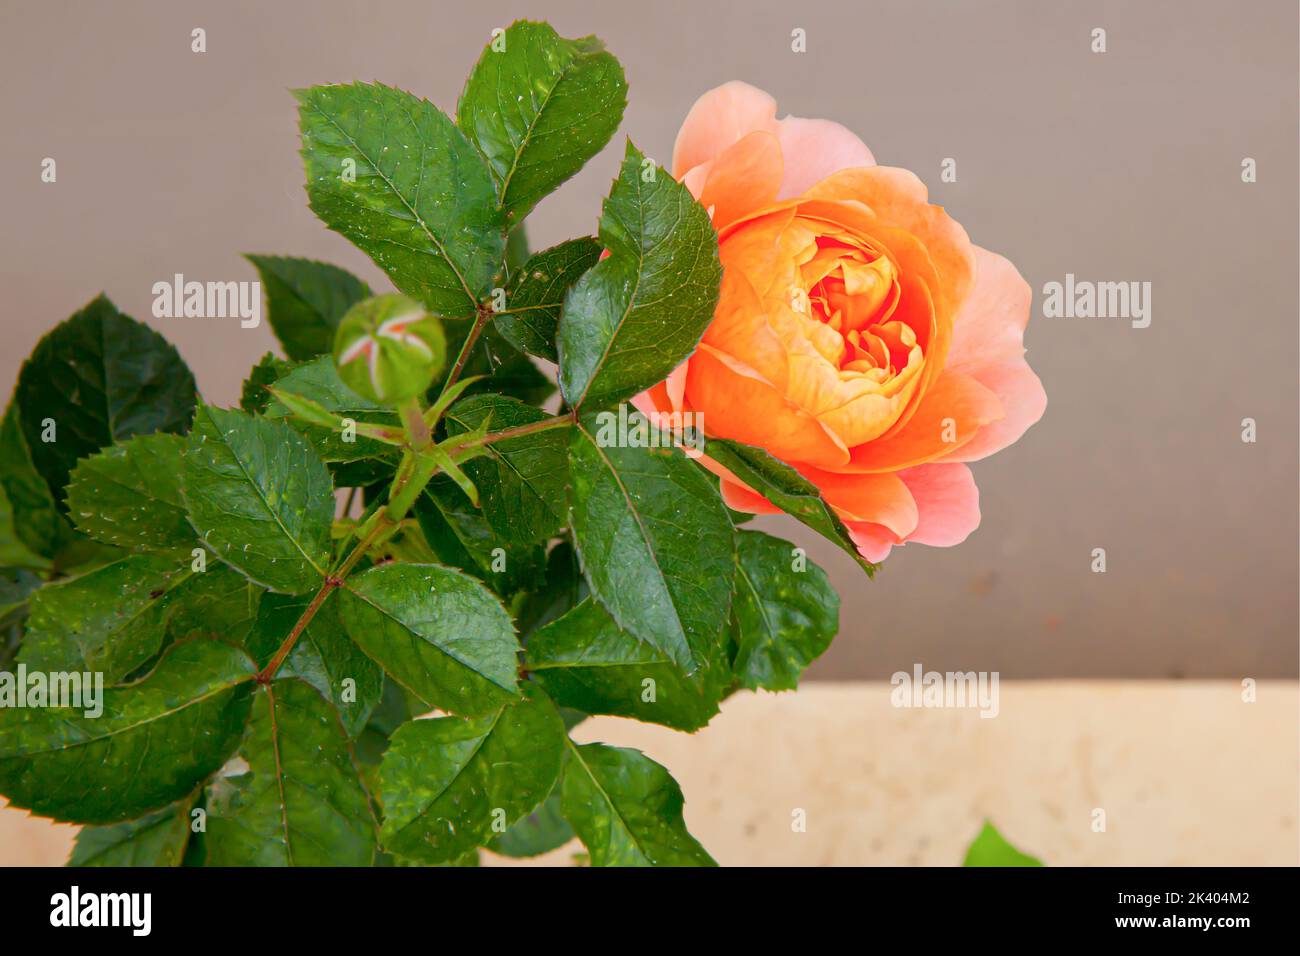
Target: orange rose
860, 336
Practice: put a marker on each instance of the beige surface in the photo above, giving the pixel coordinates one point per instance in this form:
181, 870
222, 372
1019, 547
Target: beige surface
1186, 772
1123, 166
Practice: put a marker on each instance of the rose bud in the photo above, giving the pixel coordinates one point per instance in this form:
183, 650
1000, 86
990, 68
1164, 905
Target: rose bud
388, 348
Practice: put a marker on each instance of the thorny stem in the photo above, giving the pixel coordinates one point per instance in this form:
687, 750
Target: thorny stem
407, 489
481, 318
557, 421
417, 430
332, 581
387, 521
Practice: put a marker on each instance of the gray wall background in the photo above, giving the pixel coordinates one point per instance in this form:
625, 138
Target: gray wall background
1118, 166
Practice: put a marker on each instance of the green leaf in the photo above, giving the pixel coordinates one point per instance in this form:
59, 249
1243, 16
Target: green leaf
196, 852
99, 377
787, 489
129, 496
112, 619
786, 614
155, 741
498, 366
33, 530
535, 295
656, 544
260, 497
318, 381
511, 373
254, 394
539, 832
217, 602
627, 809
13, 551
395, 708
305, 300
461, 537
11, 638
16, 588
586, 661
539, 109
324, 656
562, 588
517, 250
158, 839
294, 797
446, 781
990, 848
637, 314
437, 632
521, 481
422, 205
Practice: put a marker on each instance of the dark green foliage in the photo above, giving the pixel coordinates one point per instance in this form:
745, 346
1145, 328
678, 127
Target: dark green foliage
331, 630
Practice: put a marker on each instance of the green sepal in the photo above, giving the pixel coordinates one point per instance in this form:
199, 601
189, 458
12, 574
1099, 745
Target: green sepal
387, 348
317, 383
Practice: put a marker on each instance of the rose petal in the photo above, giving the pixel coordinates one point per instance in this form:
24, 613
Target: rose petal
743, 178
738, 403
991, 324
814, 149
719, 118
652, 401
874, 541
899, 198
947, 503
1021, 394
739, 497
955, 408
879, 499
